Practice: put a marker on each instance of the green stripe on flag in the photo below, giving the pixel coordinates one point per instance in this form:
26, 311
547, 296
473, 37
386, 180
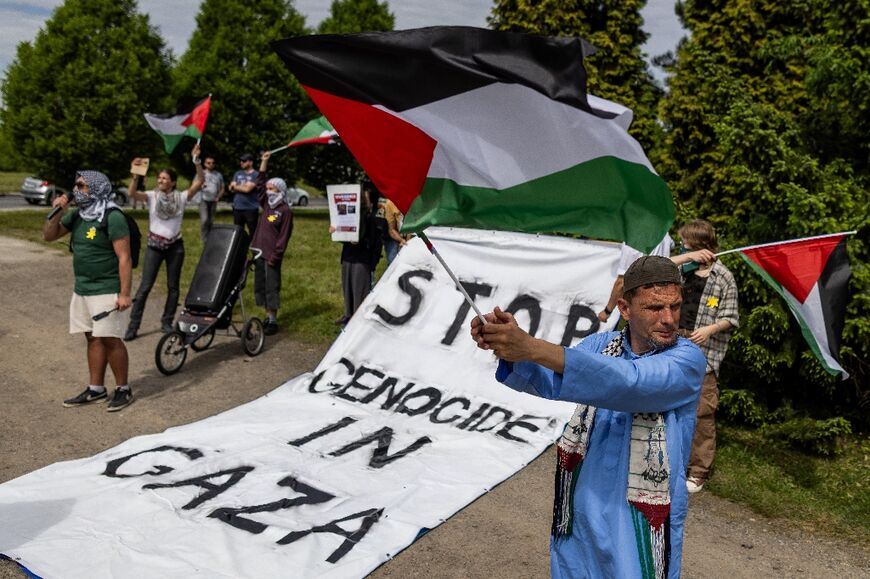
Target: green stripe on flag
542, 205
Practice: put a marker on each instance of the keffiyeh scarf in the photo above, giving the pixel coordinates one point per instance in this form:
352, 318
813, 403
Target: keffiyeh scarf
93, 204
168, 203
648, 490
277, 197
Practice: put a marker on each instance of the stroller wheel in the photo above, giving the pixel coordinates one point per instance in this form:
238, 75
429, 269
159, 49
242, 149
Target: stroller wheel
171, 353
204, 341
253, 337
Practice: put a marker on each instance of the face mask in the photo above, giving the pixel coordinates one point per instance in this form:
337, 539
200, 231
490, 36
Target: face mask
275, 198
82, 199
687, 268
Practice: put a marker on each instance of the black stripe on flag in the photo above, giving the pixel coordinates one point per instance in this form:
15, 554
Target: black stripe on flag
410, 68
834, 295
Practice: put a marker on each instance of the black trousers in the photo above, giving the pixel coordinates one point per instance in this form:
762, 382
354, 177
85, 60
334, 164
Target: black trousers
247, 218
267, 284
174, 258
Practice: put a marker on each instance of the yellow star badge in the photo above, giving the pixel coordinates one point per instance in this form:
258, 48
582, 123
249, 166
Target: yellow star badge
92, 232
712, 302
272, 218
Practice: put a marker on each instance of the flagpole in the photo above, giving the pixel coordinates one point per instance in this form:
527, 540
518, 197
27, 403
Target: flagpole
721, 253
459, 286
280, 149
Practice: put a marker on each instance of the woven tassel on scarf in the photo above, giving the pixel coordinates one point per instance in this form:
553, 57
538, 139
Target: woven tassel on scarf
653, 542
567, 473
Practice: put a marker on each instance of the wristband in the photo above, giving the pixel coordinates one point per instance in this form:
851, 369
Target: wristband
607, 310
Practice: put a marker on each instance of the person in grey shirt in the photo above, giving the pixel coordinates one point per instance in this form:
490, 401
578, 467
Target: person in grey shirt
212, 191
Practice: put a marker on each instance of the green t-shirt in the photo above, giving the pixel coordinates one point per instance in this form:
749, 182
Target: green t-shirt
95, 264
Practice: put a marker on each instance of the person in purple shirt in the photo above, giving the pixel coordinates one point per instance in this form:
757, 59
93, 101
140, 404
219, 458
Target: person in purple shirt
621, 498
271, 237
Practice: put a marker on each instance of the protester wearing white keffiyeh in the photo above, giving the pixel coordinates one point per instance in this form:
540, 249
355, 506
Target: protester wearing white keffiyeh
166, 212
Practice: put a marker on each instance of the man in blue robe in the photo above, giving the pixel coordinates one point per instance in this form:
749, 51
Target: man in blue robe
621, 498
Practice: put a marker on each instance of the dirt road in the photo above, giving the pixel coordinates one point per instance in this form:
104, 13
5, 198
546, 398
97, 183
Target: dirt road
503, 534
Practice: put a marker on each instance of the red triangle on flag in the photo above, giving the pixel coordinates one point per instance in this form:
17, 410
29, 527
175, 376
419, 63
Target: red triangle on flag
395, 154
199, 115
796, 265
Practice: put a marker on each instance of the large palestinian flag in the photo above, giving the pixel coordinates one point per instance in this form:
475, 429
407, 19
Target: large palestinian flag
188, 120
812, 276
477, 128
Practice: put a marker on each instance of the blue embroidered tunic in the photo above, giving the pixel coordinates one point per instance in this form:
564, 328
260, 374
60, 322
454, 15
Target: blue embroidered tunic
602, 542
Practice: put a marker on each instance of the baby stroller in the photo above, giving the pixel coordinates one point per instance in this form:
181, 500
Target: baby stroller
218, 282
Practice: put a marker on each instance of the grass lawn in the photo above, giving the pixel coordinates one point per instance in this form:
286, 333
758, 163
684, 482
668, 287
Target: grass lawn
311, 272
827, 495
11, 182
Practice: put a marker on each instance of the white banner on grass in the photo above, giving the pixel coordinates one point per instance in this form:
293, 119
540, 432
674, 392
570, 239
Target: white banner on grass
335, 472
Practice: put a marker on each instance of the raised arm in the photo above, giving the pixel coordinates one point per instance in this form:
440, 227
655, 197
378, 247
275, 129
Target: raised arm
200, 174
133, 190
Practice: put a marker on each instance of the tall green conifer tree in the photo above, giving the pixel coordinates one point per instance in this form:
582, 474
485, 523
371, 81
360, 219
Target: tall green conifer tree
322, 165
256, 103
74, 97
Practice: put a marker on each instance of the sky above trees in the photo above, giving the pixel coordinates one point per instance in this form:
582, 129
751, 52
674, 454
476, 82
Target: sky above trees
19, 21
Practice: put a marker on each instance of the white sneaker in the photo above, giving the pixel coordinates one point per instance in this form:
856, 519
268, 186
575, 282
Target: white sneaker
694, 485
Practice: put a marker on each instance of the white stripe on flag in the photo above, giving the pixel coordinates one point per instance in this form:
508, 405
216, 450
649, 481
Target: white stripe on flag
811, 316
170, 126
503, 135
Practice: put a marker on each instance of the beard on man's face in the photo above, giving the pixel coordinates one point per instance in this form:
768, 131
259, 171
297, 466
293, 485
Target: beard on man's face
661, 344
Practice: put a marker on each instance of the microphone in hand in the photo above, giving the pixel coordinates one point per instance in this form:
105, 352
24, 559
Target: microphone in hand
57, 208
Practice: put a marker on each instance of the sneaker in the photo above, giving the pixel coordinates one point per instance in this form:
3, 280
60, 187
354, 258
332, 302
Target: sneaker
131, 335
694, 484
120, 399
167, 327
270, 328
86, 397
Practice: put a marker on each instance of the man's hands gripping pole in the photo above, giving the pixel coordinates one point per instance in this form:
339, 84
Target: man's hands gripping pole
502, 335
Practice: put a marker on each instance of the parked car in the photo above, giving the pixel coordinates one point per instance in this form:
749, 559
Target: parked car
297, 196
122, 195
36, 191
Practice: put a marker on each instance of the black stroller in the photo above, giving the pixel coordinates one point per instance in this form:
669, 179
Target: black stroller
217, 283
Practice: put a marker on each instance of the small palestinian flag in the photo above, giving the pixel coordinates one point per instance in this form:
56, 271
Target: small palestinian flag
318, 131
187, 121
477, 128
812, 276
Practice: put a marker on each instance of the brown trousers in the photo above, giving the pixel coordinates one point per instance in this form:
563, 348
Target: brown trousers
704, 441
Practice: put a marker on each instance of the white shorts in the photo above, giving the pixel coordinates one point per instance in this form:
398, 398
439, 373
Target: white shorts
82, 309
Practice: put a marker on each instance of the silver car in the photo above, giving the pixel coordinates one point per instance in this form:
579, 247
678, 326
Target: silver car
37, 191
297, 196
